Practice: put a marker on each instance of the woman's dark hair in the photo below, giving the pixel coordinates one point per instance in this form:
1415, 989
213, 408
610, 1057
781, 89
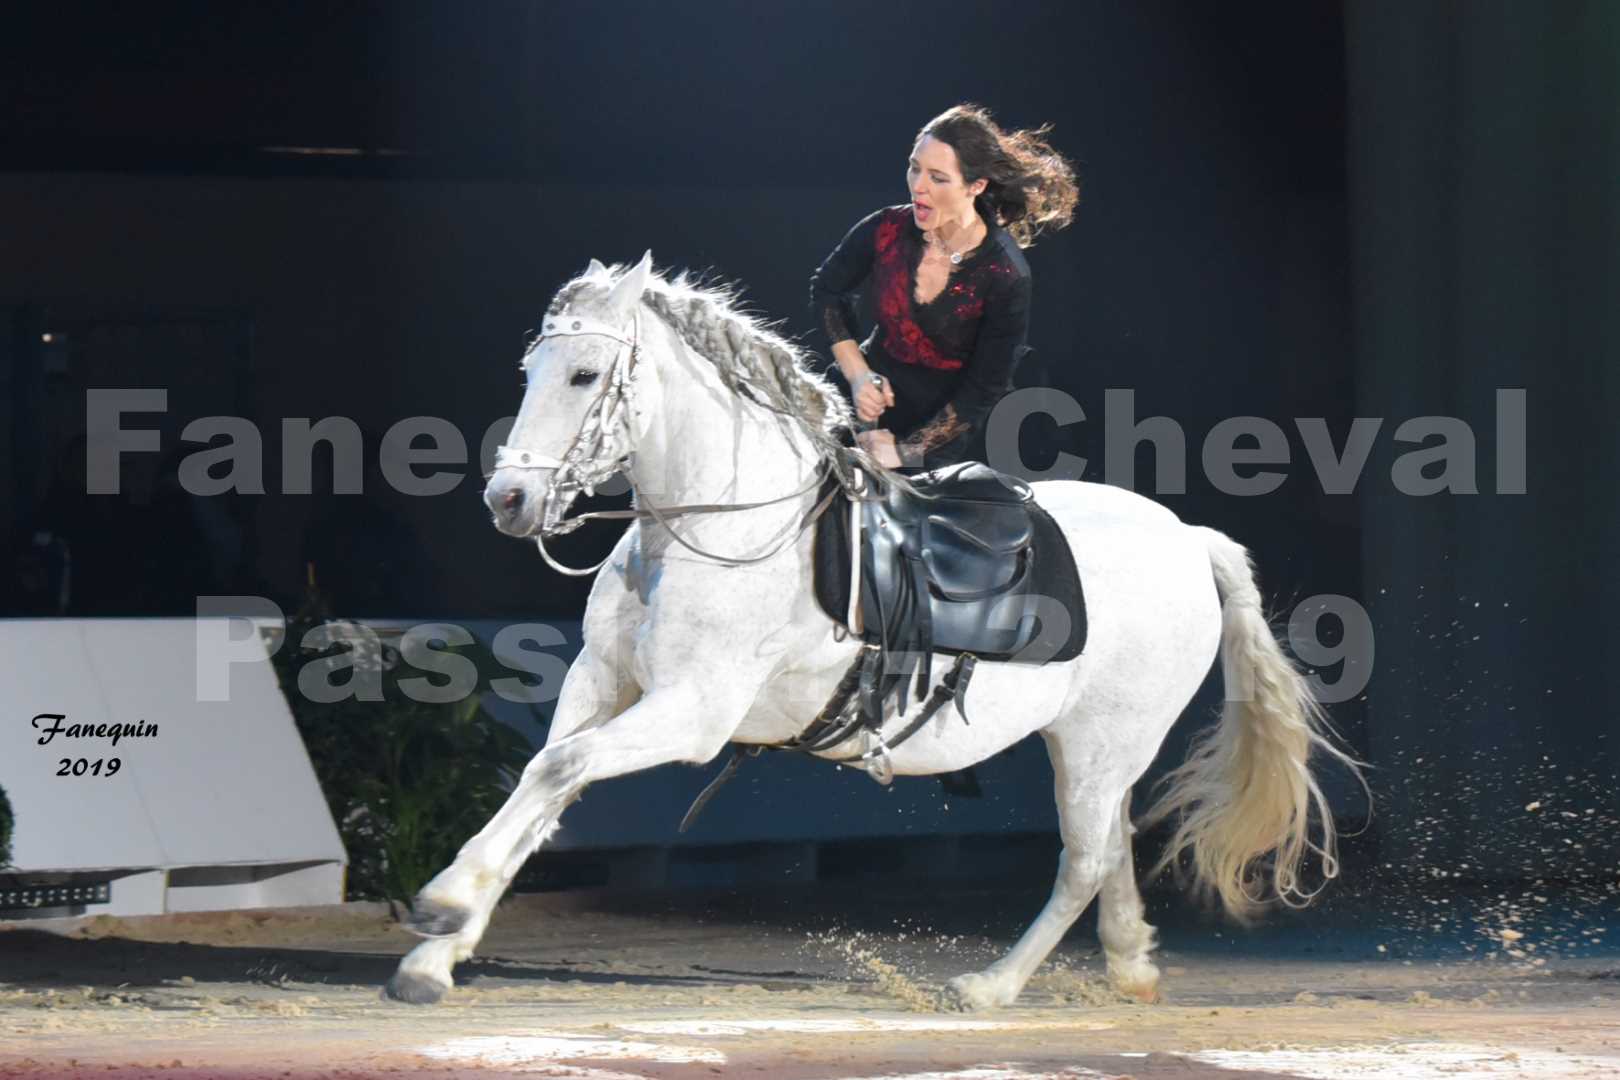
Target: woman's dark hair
1032, 188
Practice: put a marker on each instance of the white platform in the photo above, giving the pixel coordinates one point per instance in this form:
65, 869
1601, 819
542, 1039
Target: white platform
219, 810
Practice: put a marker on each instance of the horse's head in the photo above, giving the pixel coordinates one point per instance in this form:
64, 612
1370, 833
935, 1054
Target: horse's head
575, 427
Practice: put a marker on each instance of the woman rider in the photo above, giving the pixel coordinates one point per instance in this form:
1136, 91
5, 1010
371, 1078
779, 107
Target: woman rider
951, 285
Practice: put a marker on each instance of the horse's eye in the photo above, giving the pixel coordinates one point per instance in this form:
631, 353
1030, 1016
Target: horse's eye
583, 378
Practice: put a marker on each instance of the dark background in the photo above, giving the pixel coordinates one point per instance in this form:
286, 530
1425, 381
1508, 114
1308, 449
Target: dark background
1291, 209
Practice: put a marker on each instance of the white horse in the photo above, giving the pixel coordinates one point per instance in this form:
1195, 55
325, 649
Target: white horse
684, 653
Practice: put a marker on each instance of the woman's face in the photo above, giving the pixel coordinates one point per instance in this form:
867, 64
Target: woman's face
935, 181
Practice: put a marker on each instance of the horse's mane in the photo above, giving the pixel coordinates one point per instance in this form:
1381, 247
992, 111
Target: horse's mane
752, 359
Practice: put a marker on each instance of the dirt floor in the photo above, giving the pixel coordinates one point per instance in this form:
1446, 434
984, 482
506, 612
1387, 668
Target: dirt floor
788, 984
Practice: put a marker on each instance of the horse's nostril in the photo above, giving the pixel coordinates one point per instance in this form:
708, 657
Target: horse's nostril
513, 500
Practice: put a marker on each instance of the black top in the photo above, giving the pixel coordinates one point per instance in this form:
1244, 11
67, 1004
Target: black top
950, 360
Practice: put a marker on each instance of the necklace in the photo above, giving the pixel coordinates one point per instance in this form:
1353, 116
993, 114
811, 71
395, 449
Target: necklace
955, 256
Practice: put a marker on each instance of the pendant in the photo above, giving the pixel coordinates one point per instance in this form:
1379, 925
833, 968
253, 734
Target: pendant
956, 258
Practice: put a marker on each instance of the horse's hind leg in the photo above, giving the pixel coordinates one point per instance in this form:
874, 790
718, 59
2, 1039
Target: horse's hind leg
1127, 939
1089, 821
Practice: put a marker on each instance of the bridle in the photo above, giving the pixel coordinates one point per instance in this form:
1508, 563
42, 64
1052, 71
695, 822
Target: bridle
589, 460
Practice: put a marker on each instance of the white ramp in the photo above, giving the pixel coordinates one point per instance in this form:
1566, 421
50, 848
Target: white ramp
219, 809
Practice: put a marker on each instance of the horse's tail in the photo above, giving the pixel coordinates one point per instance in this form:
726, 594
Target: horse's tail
1246, 791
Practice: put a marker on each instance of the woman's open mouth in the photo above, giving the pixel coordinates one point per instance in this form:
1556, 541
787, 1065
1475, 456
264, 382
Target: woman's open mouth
922, 210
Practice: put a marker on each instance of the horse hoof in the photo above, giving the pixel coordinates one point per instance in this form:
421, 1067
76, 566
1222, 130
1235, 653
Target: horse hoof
430, 919
1147, 995
414, 989
974, 993
1138, 980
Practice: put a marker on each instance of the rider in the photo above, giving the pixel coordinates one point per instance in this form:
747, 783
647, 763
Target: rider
951, 285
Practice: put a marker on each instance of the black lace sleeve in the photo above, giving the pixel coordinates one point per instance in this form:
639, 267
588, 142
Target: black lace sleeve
837, 282
986, 377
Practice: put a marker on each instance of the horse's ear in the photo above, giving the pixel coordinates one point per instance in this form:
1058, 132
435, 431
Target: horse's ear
596, 267
630, 287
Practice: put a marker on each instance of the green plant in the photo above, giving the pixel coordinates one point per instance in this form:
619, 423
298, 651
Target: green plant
407, 782
5, 830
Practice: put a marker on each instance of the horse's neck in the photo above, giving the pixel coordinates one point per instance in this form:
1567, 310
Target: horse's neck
705, 444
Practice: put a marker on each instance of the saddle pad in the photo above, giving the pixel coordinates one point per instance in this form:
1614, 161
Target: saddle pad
1052, 566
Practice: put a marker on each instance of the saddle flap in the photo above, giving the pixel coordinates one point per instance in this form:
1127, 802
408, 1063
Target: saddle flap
992, 530
963, 572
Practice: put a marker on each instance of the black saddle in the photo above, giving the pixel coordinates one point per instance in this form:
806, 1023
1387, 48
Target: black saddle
966, 563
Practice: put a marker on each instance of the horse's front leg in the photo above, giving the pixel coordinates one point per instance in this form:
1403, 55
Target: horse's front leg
594, 691
677, 723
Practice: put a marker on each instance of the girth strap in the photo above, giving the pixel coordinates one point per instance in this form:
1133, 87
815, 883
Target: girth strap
831, 725
925, 625
905, 638
952, 688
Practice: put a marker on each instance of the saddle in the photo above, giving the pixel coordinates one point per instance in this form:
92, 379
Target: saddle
967, 563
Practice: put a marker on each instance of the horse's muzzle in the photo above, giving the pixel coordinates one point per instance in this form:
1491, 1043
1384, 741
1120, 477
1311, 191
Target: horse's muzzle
515, 501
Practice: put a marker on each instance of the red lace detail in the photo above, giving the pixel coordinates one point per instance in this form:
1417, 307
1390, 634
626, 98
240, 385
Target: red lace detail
969, 304
888, 229
902, 337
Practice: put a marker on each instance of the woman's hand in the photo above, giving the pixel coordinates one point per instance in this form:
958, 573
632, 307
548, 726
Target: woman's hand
879, 442
870, 392
871, 398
